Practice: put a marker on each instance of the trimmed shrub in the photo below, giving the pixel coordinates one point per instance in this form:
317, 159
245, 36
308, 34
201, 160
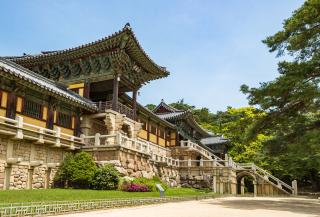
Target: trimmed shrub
106, 178
76, 171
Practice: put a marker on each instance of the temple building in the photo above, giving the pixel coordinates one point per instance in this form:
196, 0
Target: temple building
85, 99
218, 144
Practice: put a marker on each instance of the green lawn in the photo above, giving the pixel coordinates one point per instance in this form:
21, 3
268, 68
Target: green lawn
14, 196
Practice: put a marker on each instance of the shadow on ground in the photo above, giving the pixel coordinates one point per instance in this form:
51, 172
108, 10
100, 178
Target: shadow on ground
294, 205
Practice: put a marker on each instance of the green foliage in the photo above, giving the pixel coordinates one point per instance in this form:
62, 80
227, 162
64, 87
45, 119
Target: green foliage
181, 105
150, 183
150, 106
76, 171
106, 178
292, 100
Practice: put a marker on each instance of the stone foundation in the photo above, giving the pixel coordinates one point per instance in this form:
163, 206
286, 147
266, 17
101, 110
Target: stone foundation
25, 165
136, 165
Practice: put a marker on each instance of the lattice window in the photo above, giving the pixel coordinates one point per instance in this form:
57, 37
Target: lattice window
32, 109
144, 124
64, 120
161, 133
153, 130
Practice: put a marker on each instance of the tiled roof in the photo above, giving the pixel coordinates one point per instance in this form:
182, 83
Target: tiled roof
124, 39
173, 115
166, 106
39, 81
214, 140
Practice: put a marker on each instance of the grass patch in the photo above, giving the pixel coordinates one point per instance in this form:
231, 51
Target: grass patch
16, 196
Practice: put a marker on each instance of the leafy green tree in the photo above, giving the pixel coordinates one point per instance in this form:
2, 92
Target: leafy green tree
236, 124
181, 105
292, 100
150, 106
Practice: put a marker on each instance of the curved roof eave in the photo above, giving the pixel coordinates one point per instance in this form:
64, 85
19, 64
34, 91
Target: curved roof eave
123, 39
37, 81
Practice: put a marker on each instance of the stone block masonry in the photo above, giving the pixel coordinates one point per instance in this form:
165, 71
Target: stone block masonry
25, 165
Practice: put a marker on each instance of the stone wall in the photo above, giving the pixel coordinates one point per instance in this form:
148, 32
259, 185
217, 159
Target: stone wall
36, 165
136, 165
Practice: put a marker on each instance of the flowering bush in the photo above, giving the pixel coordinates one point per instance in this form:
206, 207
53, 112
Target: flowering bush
131, 187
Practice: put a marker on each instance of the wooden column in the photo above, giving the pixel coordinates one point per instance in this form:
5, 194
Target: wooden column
148, 129
77, 130
11, 105
50, 115
157, 132
115, 92
134, 104
86, 90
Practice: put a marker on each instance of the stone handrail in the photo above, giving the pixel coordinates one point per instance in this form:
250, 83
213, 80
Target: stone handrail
202, 163
156, 152
20, 130
201, 150
267, 176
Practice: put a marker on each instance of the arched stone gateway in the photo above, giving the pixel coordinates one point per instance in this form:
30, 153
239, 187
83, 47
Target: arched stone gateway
241, 185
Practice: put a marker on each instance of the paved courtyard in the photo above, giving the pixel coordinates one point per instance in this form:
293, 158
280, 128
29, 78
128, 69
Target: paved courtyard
221, 207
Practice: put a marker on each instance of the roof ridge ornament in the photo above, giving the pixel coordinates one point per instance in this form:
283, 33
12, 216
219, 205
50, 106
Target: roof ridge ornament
127, 26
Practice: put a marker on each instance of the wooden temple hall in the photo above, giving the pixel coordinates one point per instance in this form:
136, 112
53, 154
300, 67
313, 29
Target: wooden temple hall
85, 99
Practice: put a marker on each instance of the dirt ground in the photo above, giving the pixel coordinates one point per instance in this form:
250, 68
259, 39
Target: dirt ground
220, 207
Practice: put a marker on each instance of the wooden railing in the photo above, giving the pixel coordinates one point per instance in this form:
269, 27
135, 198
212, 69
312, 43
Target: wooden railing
19, 129
121, 108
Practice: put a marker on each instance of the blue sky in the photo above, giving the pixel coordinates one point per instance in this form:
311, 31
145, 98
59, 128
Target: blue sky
210, 47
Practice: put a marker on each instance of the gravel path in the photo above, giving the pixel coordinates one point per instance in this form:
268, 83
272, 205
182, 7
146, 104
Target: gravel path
220, 207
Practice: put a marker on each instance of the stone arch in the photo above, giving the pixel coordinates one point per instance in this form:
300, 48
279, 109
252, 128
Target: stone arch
127, 129
240, 182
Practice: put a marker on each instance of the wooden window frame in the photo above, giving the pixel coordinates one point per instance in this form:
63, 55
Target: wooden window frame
154, 132
58, 121
28, 113
144, 125
162, 133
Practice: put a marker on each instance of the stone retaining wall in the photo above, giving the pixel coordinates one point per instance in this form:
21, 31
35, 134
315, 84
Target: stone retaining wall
35, 168
137, 165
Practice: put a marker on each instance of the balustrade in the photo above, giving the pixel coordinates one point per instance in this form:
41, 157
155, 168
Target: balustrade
156, 152
22, 130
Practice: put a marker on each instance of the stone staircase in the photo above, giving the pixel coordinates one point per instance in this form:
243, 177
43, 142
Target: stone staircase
269, 178
251, 168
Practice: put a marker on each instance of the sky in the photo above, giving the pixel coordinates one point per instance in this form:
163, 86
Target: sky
210, 47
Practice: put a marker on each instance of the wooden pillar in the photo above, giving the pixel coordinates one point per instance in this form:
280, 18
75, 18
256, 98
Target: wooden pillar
86, 92
157, 132
134, 104
11, 105
148, 129
115, 92
50, 115
77, 130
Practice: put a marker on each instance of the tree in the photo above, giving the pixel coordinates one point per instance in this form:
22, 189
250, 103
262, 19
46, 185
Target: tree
292, 100
236, 124
150, 106
181, 105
